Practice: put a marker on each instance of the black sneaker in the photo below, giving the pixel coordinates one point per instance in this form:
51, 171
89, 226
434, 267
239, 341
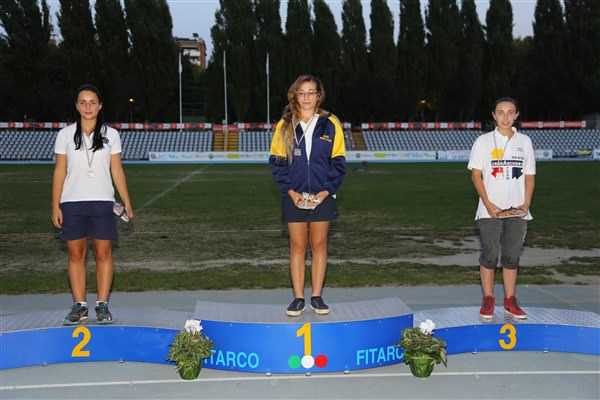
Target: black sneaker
296, 307
318, 305
78, 314
103, 316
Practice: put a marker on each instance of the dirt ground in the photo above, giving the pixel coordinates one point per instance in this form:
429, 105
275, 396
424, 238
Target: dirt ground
467, 254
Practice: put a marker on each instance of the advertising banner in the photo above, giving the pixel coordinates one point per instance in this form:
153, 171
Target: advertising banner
228, 157
453, 155
390, 156
541, 154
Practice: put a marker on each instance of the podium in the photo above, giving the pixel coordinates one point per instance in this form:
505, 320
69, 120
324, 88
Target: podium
262, 338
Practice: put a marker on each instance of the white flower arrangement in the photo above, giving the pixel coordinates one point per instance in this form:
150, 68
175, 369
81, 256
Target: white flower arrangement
420, 341
190, 346
427, 327
193, 326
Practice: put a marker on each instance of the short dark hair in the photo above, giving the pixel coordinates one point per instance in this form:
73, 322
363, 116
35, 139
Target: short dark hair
506, 99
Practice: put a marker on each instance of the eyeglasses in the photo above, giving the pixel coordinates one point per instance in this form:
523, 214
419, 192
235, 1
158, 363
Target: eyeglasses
310, 93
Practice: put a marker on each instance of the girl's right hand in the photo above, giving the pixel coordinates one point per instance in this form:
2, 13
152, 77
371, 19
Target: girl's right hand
295, 196
57, 217
492, 209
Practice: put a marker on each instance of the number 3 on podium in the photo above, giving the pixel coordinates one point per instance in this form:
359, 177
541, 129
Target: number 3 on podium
511, 334
86, 336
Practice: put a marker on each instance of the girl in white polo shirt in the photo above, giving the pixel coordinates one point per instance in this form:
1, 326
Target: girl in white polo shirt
502, 165
88, 162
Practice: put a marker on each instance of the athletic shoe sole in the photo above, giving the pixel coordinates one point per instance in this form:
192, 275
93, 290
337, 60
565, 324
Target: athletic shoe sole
294, 313
485, 316
69, 323
319, 311
506, 312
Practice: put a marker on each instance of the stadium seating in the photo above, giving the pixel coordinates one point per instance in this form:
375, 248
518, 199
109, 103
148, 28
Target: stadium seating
38, 144
419, 140
34, 145
563, 142
26, 144
137, 144
260, 140
254, 140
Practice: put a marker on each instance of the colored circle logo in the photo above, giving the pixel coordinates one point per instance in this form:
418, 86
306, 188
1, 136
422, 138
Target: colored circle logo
308, 361
321, 361
294, 362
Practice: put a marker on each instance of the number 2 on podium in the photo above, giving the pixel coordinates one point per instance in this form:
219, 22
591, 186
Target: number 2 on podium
78, 349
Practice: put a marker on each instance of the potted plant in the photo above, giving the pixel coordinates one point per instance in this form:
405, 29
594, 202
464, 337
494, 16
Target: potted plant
421, 350
189, 348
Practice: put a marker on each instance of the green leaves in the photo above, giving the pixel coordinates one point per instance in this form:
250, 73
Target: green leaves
189, 349
417, 344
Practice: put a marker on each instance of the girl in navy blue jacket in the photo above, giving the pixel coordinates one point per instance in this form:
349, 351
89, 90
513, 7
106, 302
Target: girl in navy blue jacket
308, 162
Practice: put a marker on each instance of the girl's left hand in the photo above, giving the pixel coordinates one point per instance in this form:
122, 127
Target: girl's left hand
321, 196
129, 211
524, 207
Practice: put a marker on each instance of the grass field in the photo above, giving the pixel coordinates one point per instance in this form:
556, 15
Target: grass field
218, 226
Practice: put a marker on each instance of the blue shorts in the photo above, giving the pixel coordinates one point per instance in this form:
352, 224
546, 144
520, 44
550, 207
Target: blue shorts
501, 237
94, 219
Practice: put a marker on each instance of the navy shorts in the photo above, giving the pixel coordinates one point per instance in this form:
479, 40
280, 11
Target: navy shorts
326, 211
501, 236
94, 219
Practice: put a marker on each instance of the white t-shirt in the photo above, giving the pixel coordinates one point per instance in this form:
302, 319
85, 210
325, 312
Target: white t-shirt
503, 163
88, 173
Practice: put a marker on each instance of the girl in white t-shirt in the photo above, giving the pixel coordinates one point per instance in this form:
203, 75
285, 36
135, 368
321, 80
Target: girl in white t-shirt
88, 162
502, 165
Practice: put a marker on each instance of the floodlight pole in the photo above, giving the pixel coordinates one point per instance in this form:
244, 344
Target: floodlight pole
180, 95
268, 92
225, 82
225, 86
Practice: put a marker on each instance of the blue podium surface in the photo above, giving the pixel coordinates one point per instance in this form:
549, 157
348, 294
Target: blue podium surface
545, 329
261, 338
39, 338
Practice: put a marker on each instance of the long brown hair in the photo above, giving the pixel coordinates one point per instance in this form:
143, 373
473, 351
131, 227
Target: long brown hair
291, 112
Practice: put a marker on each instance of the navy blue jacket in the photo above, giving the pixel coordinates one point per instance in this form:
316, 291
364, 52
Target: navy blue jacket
327, 164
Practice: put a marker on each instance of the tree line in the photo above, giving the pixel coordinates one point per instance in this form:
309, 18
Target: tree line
445, 65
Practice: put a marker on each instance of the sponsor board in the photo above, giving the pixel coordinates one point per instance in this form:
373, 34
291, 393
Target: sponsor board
390, 156
209, 157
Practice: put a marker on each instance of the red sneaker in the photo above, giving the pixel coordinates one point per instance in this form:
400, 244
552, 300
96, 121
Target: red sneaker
511, 307
487, 307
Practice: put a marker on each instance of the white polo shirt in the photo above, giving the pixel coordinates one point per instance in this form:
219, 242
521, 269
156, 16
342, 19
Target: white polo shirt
503, 162
88, 174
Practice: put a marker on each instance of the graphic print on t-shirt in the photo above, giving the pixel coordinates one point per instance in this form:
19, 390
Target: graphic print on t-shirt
505, 169
497, 154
